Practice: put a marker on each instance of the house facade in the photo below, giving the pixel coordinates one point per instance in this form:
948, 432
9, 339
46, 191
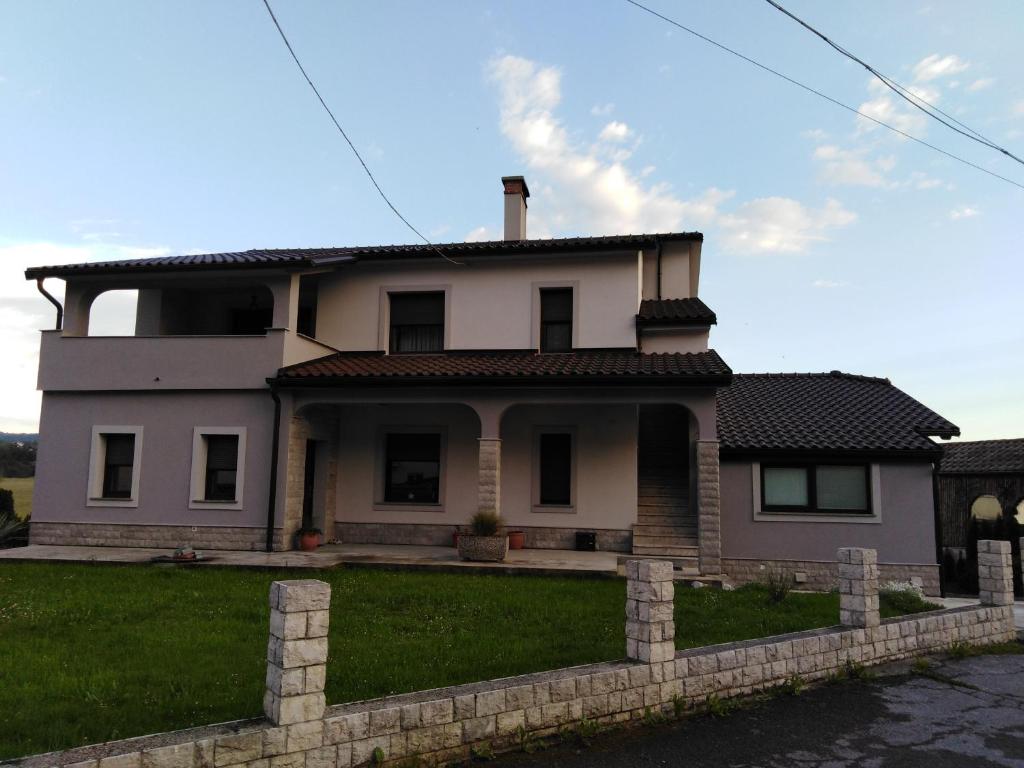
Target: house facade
385, 394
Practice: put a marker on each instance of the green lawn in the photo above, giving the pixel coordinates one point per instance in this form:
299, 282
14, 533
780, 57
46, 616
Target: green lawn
91, 653
22, 487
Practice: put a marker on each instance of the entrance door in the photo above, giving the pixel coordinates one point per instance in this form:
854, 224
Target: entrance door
309, 485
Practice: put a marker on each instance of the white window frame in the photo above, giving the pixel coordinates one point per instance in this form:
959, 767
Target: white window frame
802, 517
97, 462
197, 484
536, 506
380, 468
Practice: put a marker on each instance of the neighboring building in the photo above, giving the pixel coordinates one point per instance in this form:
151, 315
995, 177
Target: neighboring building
385, 394
983, 479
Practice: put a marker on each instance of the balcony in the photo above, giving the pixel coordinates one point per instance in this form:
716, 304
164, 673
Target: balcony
154, 363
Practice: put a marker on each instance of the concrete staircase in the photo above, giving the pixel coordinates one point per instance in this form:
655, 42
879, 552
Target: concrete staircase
666, 527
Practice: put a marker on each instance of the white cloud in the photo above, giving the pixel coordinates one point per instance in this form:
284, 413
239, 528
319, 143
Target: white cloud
935, 66
981, 84
829, 283
815, 134
778, 224
1018, 109
615, 131
587, 190
23, 312
963, 212
845, 167
481, 234
602, 110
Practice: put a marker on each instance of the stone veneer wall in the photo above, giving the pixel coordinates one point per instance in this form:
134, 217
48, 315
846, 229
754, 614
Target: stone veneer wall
709, 507
441, 535
156, 536
824, 576
442, 724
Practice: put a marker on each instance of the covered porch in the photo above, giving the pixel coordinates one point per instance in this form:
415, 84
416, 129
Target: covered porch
405, 468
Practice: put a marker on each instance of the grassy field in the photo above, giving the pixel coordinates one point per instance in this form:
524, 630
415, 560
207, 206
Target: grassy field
22, 487
91, 653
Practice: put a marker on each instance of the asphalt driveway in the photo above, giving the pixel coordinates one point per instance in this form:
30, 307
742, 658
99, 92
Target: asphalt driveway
972, 715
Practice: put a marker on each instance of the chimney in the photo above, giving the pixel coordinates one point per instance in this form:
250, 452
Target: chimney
516, 193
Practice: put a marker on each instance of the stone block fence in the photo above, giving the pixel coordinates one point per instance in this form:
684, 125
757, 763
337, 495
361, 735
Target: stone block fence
442, 725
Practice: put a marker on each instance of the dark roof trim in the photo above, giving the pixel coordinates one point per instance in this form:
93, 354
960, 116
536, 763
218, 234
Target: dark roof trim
675, 312
312, 257
818, 456
690, 380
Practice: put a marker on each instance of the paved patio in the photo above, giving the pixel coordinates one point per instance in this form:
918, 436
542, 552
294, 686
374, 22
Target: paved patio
536, 561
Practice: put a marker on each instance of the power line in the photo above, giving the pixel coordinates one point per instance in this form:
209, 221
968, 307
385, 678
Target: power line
818, 93
901, 91
348, 140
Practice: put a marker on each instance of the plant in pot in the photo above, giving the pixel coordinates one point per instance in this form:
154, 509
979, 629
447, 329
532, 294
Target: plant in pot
309, 538
485, 541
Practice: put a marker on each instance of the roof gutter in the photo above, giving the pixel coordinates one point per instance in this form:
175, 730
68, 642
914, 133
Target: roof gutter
52, 300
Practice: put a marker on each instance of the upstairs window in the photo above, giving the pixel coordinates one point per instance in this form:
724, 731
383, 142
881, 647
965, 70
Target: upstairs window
118, 465
417, 322
816, 488
555, 462
412, 468
556, 319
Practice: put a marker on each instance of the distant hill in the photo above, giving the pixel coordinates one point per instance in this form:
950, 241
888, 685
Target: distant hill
18, 437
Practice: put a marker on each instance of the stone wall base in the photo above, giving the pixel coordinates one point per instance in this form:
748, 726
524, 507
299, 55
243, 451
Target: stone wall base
441, 535
155, 536
824, 576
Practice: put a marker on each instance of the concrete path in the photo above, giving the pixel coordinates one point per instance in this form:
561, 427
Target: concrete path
972, 715
536, 561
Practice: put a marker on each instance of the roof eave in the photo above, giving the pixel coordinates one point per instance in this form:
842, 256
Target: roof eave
751, 453
664, 380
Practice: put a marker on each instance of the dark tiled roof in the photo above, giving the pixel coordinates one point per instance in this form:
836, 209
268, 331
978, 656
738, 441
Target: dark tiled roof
691, 311
311, 257
983, 457
825, 412
599, 366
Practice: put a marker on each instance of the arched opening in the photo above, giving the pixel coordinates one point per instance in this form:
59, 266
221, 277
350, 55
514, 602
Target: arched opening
1019, 512
113, 313
986, 508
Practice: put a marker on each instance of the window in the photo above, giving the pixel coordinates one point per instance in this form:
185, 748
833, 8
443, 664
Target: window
816, 488
114, 467
555, 468
221, 467
986, 507
218, 467
556, 319
412, 468
417, 322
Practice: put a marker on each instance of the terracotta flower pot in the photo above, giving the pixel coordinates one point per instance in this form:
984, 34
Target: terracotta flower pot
488, 549
516, 539
308, 542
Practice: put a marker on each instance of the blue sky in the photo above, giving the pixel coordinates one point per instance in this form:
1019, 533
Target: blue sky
150, 128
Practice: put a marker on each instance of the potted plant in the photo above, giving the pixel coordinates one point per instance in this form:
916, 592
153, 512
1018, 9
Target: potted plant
485, 542
516, 539
309, 538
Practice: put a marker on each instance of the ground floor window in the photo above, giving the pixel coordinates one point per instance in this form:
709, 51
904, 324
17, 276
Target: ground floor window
554, 468
218, 461
114, 466
816, 488
412, 468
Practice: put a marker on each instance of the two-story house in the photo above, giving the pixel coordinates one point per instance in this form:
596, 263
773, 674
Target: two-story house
387, 393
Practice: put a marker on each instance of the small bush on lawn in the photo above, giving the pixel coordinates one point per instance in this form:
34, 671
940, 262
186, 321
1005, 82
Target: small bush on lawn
900, 602
778, 583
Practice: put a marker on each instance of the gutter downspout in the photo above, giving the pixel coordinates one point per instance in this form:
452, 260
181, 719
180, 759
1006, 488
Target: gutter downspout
938, 529
657, 252
274, 450
52, 300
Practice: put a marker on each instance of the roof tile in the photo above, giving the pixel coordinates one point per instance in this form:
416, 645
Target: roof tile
983, 457
691, 311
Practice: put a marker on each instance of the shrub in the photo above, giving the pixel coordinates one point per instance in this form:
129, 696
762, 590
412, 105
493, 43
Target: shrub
13, 531
778, 582
904, 601
6, 501
485, 523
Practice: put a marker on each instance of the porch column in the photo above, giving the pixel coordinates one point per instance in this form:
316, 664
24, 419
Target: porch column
295, 461
489, 475
709, 523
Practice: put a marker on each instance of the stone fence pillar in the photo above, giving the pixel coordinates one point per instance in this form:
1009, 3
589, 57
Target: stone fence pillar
858, 587
297, 651
650, 604
995, 573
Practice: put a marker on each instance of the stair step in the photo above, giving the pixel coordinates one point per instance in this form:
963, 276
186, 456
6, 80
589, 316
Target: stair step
673, 542
659, 529
667, 521
655, 549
